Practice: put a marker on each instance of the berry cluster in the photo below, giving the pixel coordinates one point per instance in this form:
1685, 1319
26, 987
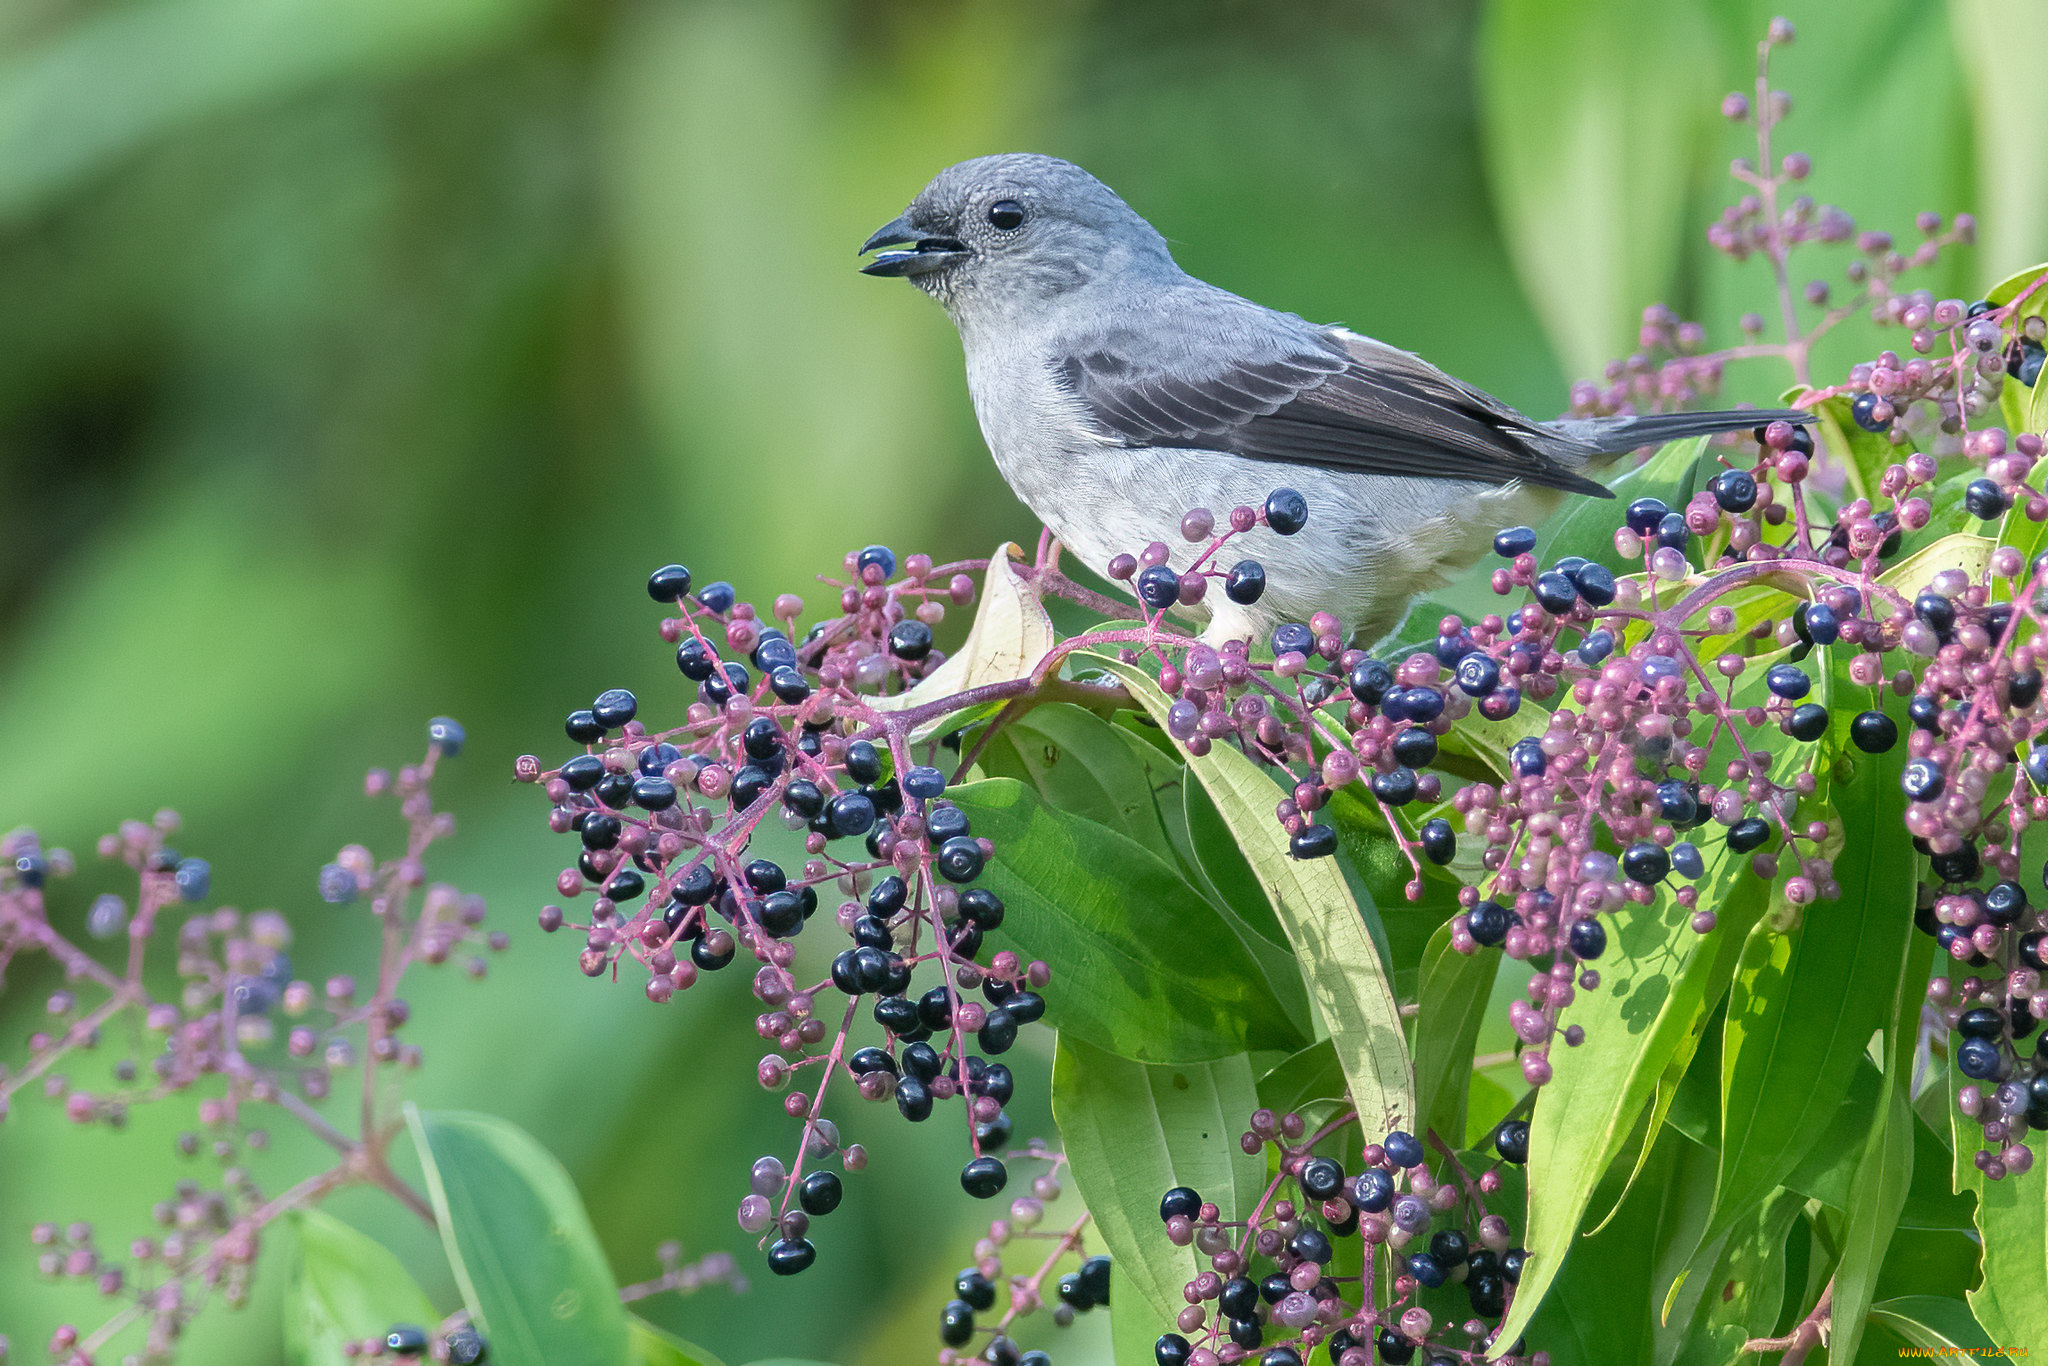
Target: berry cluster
1159, 587
243, 1038
1672, 367
975, 1288
1435, 1264
802, 732
1663, 729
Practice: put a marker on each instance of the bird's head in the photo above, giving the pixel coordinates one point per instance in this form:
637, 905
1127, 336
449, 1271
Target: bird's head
1011, 231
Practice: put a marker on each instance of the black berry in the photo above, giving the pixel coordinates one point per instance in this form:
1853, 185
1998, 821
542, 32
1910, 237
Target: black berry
668, 583
1286, 511
1873, 732
1246, 582
984, 1177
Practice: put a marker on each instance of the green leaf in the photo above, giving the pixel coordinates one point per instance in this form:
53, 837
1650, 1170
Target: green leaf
1133, 1132
2011, 1301
2011, 115
653, 1346
1380, 875
1086, 766
1149, 968
1223, 868
345, 1286
1453, 995
1687, 1194
1489, 1101
1934, 1323
1805, 1002
1659, 982
1310, 1077
1745, 1271
1593, 112
1597, 1312
1585, 526
2008, 289
1347, 980
1828, 1171
1669, 1082
1884, 1171
521, 1246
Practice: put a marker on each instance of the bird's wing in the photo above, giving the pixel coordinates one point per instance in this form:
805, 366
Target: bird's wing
1230, 376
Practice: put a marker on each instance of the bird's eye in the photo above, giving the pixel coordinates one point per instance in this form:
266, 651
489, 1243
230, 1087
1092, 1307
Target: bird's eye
1005, 214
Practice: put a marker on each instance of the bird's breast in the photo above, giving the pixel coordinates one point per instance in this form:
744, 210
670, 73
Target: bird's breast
1035, 429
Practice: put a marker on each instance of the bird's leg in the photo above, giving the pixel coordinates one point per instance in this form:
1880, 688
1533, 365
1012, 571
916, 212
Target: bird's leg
1048, 550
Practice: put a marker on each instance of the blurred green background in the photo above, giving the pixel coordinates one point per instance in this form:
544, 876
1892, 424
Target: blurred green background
358, 358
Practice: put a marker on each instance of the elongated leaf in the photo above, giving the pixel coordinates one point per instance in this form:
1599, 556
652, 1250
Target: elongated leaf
1224, 867
652, 1346
1805, 1003
1086, 766
1659, 981
1828, 1170
2008, 289
1303, 1079
1347, 981
1149, 968
521, 1246
1455, 989
2011, 1299
1593, 113
1933, 1323
345, 1286
1688, 1199
1380, 876
1597, 1312
1736, 1288
1585, 526
1134, 1132
1884, 1171
1676, 1068
2011, 112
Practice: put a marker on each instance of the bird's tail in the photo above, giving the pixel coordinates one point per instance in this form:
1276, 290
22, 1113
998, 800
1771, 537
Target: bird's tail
1617, 434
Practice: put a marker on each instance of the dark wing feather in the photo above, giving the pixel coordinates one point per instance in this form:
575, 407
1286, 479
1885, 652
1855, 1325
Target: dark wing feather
1282, 390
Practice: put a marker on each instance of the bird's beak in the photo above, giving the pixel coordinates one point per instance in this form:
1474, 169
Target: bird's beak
926, 253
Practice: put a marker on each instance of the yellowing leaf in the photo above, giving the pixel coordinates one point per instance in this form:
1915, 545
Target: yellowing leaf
1964, 550
1011, 635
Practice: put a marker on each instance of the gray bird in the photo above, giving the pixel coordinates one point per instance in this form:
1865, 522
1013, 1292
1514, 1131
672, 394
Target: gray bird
1116, 392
